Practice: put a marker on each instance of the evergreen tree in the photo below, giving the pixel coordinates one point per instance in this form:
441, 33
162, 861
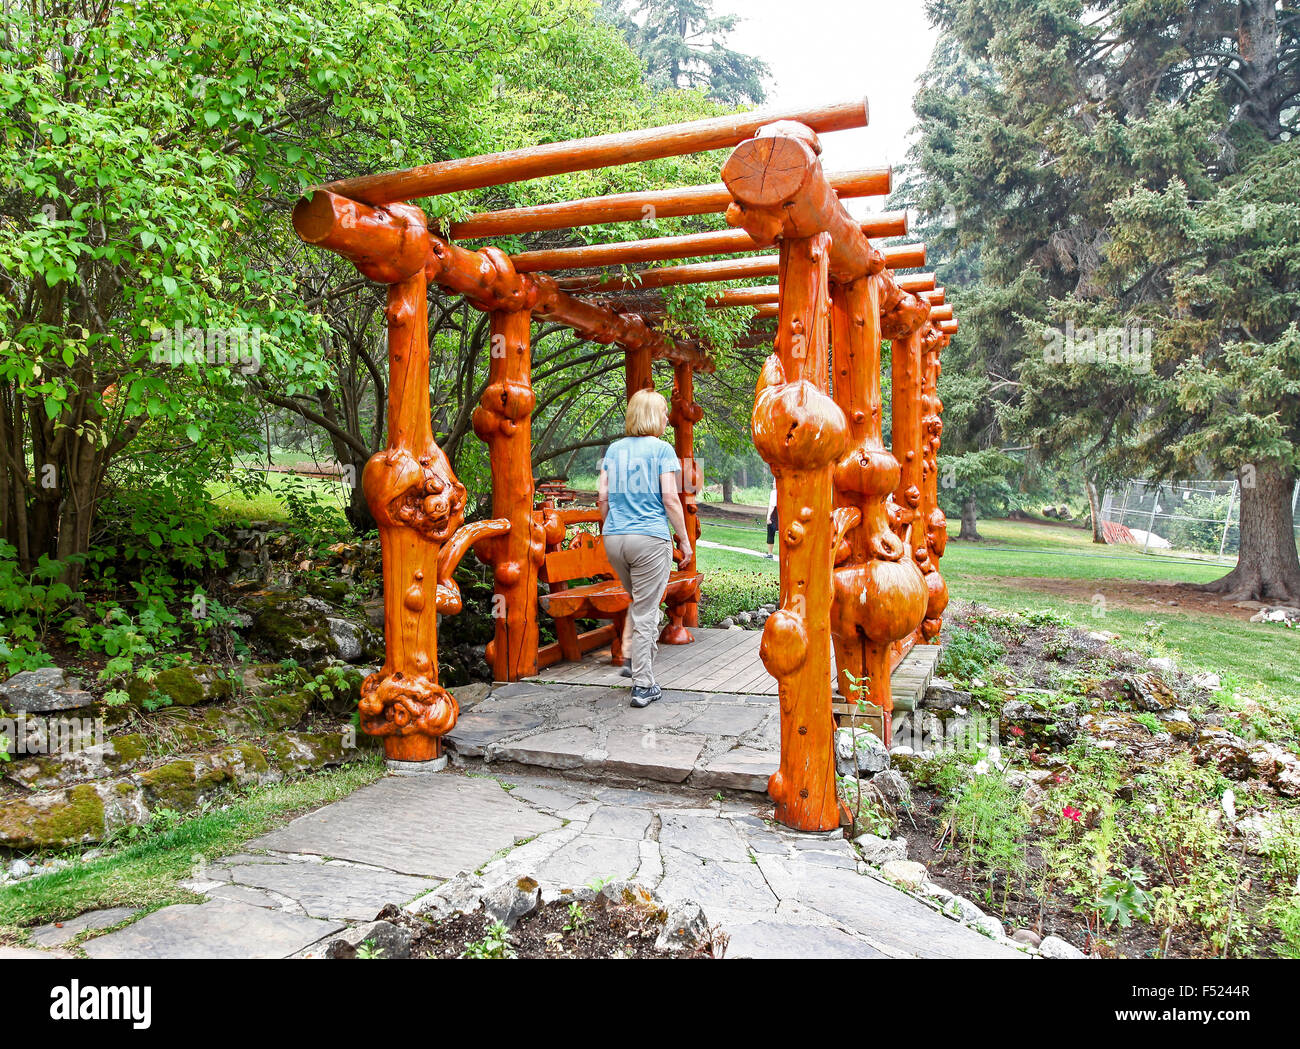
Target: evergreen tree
1119, 166
682, 45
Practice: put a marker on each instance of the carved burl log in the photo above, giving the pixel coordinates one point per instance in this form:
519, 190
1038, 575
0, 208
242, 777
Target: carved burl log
684, 413
935, 522
903, 316
879, 592
800, 431
415, 498
503, 419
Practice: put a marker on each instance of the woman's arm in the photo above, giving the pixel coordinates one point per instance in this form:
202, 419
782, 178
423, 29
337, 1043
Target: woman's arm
673, 507
602, 495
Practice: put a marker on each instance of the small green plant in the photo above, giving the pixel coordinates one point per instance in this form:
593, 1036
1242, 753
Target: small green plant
1284, 915
969, 653
334, 682
495, 944
367, 949
986, 818
28, 605
1149, 721
1124, 898
578, 919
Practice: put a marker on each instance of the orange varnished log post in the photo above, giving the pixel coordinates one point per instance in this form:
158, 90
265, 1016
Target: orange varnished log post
936, 524
800, 431
902, 319
637, 371
684, 414
879, 595
416, 500
503, 419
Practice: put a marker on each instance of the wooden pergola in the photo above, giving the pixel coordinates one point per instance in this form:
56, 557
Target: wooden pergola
861, 529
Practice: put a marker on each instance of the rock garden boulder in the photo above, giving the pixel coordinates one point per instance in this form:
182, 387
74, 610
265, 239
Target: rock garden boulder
44, 691
182, 686
288, 625
1031, 722
859, 752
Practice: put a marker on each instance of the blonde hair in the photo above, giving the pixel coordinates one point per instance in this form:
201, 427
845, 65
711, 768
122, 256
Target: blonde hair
647, 414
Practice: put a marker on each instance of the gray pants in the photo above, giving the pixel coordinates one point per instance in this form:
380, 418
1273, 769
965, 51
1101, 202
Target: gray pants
642, 563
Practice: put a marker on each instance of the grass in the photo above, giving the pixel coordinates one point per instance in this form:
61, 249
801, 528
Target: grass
268, 504
1021, 548
1249, 655
146, 873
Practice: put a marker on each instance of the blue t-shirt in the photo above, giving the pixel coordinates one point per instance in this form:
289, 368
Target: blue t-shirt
633, 466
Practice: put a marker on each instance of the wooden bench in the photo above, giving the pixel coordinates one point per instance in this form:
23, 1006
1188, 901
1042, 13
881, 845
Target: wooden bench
582, 557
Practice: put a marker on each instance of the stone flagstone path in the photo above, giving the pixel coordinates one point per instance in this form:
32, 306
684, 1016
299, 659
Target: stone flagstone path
774, 892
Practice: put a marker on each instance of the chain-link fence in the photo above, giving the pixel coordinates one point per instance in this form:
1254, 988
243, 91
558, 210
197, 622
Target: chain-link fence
1197, 516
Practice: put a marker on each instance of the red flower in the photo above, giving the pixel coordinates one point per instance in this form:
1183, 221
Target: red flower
1016, 730
1071, 813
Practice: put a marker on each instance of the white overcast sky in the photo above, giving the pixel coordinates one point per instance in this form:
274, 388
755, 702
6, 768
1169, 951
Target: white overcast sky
828, 50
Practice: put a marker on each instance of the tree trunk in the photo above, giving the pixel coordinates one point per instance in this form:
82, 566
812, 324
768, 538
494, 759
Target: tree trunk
1094, 508
726, 489
968, 510
1268, 568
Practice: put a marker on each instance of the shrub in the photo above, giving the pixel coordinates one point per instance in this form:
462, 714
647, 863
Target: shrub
988, 822
970, 652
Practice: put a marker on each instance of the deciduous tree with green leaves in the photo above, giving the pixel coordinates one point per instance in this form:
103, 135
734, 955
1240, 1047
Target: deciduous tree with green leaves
148, 151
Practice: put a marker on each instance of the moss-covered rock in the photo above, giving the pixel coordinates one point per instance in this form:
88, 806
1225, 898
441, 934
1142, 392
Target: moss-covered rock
182, 686
307, 629
295, 751
188, 782
88, 812
53, 819
47, 771
268, 679
290, 626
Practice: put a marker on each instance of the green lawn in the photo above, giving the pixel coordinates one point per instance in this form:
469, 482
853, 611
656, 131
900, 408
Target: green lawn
1247, 655
269, 503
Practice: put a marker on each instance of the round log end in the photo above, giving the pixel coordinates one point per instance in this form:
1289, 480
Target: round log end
314, 215
766, 172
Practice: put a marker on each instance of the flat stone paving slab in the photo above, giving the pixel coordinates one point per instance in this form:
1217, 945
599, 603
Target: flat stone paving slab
732, 719
652, 755
216, 929
777, 939
486, 725
432, 826
589, 859
331, 890
743, 768
57, 934
561, 748
894, 919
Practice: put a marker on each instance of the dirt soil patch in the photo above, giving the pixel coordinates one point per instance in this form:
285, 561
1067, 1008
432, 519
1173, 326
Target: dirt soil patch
1134, 594
596, 929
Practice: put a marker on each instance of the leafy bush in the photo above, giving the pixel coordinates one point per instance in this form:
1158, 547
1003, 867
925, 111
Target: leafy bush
987, 820
970, 652
28, 605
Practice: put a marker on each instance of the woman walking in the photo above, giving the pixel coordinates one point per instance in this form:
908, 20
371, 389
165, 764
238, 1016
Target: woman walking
638, 500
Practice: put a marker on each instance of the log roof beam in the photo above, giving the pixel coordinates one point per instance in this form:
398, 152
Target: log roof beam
586, 154
390, 244
664, 249
640, 206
